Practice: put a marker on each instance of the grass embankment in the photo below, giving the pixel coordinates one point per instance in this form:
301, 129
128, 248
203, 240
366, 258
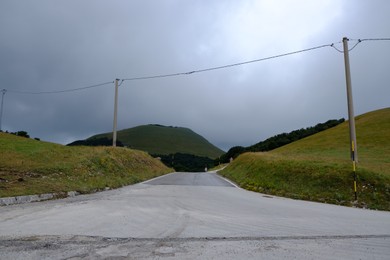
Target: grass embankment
33, 167
319, 168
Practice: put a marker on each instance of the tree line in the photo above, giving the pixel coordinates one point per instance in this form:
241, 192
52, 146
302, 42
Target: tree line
21, 134
186, 162
279, 140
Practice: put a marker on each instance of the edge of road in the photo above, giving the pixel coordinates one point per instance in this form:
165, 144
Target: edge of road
8, 201
156, 178
216, 172
227, 180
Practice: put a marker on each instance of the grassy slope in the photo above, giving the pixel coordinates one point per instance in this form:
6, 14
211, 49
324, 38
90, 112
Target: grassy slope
319, 168
32, 167
166, 140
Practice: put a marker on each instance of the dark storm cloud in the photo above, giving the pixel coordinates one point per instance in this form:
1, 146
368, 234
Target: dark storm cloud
58, 45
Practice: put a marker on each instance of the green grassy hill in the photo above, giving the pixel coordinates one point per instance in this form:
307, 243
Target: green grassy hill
157, 139
319, 167
33, 167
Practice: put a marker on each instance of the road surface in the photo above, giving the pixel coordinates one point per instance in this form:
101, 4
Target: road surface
190, 216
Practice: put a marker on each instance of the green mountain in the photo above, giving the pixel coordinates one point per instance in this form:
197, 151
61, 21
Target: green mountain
319, 167
164, 140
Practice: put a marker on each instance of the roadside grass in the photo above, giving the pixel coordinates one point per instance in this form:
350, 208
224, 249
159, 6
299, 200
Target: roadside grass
33, 167
319, 168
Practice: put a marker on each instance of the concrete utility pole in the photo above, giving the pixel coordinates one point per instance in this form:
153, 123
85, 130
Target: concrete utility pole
115, 114
351, 116
1, 111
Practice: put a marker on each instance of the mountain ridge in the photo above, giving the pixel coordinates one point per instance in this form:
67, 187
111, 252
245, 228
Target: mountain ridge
164, 140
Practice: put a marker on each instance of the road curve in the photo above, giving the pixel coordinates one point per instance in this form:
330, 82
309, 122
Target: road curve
190, 216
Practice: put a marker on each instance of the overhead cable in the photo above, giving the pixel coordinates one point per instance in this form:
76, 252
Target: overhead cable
375, 39
60, 91
202, 70
227, 66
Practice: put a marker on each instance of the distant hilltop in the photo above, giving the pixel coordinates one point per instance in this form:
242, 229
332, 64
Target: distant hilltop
158, 139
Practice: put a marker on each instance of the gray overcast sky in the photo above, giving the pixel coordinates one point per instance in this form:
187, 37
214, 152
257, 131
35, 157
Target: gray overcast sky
49, 45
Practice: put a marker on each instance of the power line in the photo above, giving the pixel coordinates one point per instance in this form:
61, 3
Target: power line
60, 91
201, 70
229, 65
375, 39
253, 61
173, 74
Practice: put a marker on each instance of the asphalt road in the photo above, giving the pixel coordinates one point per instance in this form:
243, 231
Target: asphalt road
190, 216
